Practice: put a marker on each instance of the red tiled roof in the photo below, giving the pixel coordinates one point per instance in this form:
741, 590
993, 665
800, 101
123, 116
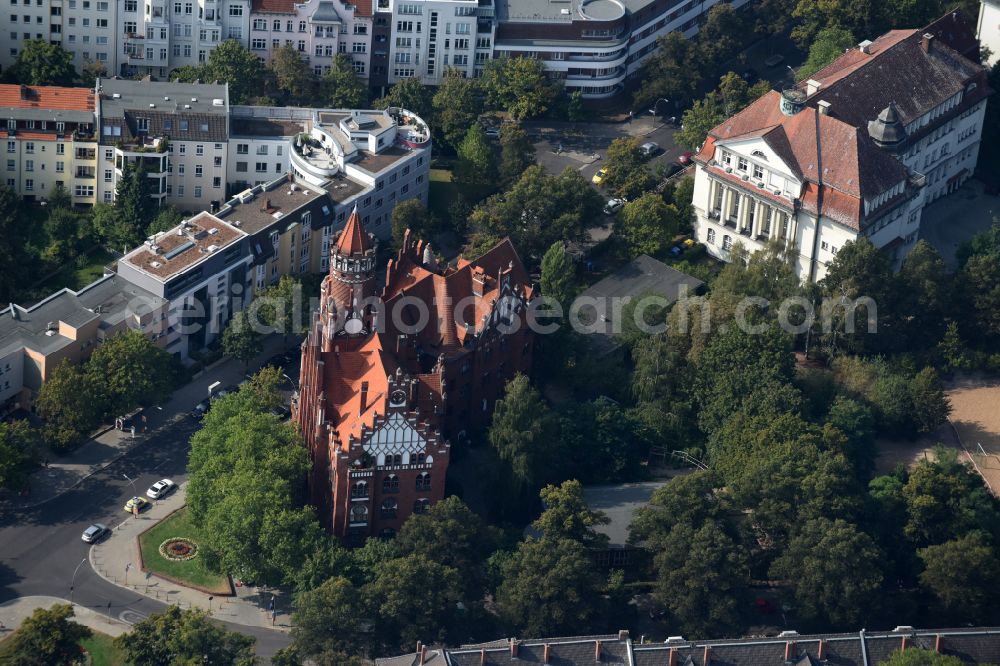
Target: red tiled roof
353, 238
57, 98
273, 7
362, 7
36, 136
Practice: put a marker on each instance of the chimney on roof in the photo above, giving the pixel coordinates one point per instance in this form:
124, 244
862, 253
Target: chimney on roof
926, 40
419, 646
672, 657
865, 47
904, 643
546, 653
622, 633
821, 649
482, 657
812, 87
706, 656
823, 106
513, 648
25, 92
364, 396
423, 654
597, 650
791, 650
937, 643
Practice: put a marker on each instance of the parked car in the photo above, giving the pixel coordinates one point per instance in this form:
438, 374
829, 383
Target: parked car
161, 489
280, 361
774, 60
649, 149
673, 168
493, 132
139, 503
599, 177
613, 206
685, 158
94, 533
201, 409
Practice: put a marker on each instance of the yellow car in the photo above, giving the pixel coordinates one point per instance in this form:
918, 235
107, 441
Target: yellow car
599, 177
136, 503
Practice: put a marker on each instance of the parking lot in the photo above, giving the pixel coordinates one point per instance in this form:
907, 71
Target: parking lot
956, 218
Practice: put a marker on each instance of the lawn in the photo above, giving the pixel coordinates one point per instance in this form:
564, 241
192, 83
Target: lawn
442, 192
103, 651
80, 272
193, 571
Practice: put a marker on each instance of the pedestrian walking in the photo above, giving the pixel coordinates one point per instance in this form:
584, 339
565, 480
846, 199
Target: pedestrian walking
133, 432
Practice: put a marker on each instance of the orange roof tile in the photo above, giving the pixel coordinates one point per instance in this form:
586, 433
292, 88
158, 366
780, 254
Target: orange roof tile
273, 6
14, 96
36, 136
353, 238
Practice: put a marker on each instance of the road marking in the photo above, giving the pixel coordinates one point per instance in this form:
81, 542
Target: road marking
131, 617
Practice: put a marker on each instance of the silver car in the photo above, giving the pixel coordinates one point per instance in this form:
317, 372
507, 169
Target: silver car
94, 533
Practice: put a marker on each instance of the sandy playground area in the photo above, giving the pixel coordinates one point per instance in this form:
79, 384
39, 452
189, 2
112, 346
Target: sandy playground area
975, 414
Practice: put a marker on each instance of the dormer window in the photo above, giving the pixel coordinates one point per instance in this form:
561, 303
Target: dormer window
760, 154
727, 158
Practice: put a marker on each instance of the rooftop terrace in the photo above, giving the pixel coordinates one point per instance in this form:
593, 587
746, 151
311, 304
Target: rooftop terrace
169, 253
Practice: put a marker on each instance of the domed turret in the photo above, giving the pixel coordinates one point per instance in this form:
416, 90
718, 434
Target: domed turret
887, 130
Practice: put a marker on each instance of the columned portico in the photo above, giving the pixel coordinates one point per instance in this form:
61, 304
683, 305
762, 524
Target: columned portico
755, 218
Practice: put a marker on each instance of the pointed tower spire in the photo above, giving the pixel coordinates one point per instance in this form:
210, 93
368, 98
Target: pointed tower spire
354, 239
351, 281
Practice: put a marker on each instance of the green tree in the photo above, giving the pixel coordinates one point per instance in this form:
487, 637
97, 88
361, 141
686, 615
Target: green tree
549, 588
456, 103
647, 225
627, 175
767, 273
453, 535
291, 73
110, 227
522, 433
40, 63
567, 516
920, 657
701, 575
282, 306
684, 500
812, 17
334, 617
71, 405
133, 205
49, 636
673, 71
236, 65
964, 574
518, 86
19, 450
857, 422
926, 297
930, 404
341, 87
736, 93
167, 217
833, 569
477, 161
240, 340
719, 36
861, 276
410, 94
187, 73
132, 370
178, 636
575, 111
414, 599
517, 153
558, 279
12, 240
91, 70
410, 214
828, 45
703, 116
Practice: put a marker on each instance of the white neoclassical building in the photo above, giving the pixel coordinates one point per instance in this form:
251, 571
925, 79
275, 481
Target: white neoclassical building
857, 150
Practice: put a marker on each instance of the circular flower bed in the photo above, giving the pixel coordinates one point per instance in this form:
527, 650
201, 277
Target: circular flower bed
178, 549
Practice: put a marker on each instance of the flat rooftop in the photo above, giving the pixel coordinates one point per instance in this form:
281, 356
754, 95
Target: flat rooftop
264, 127
187, 244
270, 203
619, 502
340, 188
366, 119
165, 96
111, 299
545, 11
375, 162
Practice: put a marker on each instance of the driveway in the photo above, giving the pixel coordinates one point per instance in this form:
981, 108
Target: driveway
956, 218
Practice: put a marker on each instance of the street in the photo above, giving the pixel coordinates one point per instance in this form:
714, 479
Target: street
40, 548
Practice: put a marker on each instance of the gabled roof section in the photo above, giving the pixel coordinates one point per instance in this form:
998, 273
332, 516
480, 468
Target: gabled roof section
273, 7
55, 98
353, 238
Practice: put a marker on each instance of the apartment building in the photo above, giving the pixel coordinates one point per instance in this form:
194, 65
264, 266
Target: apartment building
318, 29
592, 45
50, 141
199, 268
429, 36
87, 28
178, 131
857, 150
69, 325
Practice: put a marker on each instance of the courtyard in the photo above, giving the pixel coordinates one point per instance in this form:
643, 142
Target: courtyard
956, 218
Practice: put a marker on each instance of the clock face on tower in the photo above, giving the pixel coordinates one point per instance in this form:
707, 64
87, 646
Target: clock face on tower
397, 398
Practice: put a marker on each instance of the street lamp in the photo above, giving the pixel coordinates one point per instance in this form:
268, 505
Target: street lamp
656, 105
134, 491
73, 579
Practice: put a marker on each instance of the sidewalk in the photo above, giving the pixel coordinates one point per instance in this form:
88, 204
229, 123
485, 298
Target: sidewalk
13, 613
111, 557
67, 472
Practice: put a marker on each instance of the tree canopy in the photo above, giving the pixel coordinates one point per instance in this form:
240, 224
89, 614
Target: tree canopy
178, 636
48, 636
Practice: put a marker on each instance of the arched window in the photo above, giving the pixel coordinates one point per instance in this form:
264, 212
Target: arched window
359, 489
711, 236
389, 507
422, 505
424, 481
390, 484
760, 154
359, 514
727, 243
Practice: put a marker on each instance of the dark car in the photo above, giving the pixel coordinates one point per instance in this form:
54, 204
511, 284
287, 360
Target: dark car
201, 409
280, 361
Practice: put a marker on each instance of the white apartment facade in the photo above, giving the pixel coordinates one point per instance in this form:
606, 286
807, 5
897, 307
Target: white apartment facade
810, 168
429, 36
87, 28
988, 28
